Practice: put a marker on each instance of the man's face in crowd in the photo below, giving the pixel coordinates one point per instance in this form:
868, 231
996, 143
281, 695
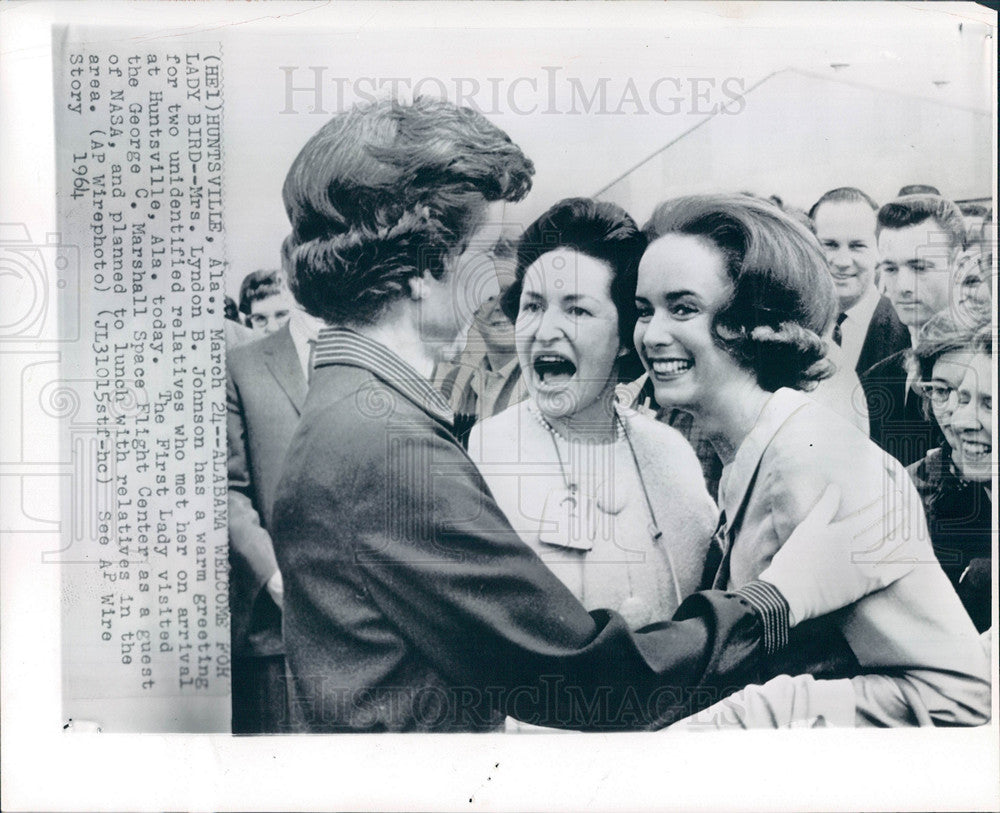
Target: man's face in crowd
449, 304
270, 314
915, 264
846, 231
491, 322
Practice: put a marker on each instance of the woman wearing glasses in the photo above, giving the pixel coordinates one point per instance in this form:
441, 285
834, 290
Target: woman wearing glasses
955, 366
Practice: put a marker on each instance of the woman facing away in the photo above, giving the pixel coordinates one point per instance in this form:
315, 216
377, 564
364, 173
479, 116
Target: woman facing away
955, 367
733, 298
590, 485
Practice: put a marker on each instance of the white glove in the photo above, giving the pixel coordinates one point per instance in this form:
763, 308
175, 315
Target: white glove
276, 587
827, 565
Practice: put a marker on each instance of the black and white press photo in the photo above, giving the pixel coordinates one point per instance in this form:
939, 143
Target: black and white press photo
612, 382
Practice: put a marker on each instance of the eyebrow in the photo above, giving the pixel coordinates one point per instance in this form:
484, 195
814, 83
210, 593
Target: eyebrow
672, 296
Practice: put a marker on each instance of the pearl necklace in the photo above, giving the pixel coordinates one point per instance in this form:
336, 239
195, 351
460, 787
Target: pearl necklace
536, 413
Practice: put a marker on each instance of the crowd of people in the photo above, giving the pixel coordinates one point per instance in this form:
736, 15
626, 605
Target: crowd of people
731, 468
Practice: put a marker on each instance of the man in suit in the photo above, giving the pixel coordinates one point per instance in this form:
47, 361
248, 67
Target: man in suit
266, 387
410, 603
920, 240
867, 328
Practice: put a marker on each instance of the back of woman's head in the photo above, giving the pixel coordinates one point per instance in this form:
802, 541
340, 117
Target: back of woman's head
387, 191
782, 299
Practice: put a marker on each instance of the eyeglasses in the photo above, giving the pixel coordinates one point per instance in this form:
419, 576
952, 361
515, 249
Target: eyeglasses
938, 394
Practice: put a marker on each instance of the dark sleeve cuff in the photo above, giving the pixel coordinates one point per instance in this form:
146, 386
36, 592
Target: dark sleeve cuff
772, 608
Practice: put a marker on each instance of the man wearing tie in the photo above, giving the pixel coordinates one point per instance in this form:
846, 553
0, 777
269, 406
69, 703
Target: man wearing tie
868, 329
267, 383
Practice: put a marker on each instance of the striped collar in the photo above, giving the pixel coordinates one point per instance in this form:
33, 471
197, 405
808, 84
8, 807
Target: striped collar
340, 346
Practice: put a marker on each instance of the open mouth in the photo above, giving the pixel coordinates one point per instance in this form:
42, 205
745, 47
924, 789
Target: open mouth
553, 368
668, 368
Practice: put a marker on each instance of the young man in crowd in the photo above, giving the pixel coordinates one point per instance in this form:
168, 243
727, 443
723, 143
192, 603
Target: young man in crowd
485, 378
920, 240
267, 381
867, 328
410, 603
266, 301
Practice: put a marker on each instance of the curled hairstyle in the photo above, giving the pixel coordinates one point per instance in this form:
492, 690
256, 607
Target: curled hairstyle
912, 210
782, 299
259, 285
601, 230
388, 191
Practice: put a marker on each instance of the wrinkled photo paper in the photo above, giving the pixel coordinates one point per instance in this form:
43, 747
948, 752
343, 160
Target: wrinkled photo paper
172, 130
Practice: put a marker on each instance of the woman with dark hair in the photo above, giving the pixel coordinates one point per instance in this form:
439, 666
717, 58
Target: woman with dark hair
954, 480
588, 484
733, 299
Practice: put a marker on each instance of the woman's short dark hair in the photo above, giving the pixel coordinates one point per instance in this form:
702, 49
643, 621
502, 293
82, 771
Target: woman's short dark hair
601, 230
387, 191
783, 300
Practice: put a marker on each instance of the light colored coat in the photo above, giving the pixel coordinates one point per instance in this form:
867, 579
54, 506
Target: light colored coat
626, 570
923, 657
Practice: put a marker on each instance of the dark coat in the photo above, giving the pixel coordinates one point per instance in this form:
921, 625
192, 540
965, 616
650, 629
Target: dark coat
412, 604
959, 517
885, 336
265, 392
896, 418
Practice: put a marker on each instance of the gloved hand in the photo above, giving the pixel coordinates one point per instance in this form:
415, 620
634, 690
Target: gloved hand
827, 565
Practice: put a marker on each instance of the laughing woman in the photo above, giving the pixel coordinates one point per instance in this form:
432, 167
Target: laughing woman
733, 298
592, 486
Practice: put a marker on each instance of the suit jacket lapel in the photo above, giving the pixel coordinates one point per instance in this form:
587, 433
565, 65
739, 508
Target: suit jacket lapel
283, 362
885, 335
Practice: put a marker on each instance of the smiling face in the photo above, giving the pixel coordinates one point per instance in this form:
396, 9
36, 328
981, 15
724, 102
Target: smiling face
972, 420
682, 284
567, 332
490, 319
846, 231
915, 263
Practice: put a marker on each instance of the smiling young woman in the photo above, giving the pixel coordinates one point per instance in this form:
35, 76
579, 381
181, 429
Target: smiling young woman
733, 300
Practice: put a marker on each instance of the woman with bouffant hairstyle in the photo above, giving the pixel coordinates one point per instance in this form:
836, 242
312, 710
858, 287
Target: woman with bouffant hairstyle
733, 299
386, 192
781, 300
